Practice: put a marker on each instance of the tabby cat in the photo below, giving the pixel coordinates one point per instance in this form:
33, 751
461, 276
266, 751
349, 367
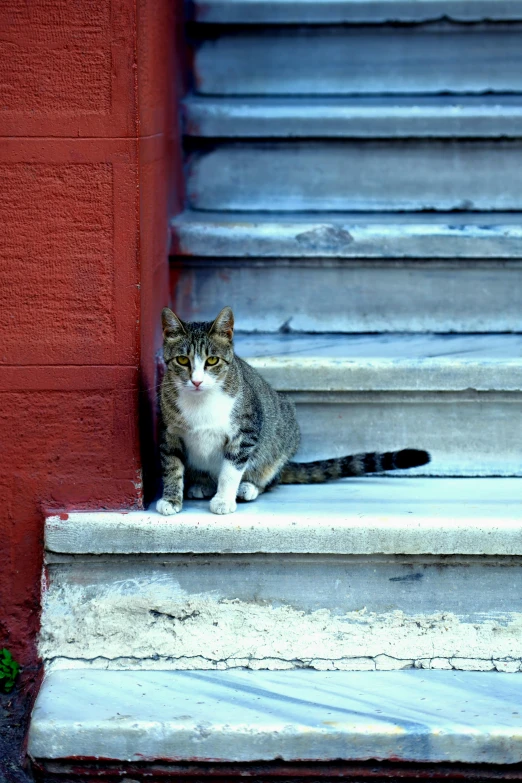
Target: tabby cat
227, 434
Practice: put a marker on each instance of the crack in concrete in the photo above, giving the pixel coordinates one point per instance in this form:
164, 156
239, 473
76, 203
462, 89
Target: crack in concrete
379, 662
152, 623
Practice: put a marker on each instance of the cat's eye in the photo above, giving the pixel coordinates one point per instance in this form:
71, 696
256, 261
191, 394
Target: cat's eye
212, 360
183, 360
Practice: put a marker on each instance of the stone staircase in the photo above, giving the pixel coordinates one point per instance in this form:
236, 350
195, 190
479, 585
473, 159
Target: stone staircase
353, 192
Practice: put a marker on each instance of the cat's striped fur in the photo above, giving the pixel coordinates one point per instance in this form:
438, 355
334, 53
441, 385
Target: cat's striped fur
226, 433
353, 465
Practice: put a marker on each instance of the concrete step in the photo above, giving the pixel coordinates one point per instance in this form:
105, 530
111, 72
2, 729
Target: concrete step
440, 116
352, 11
353, 296
458, 397
252, 716
356, 175
351, 273
358, 575
439, 57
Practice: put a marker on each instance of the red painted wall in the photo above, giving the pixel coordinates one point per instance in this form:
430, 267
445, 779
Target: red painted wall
89, 168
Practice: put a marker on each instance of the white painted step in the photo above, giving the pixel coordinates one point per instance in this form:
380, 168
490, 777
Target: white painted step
484, 116
457, 396
246, 716
352, 11
434, 58
363, 516
452, 236
370, 574
356, 175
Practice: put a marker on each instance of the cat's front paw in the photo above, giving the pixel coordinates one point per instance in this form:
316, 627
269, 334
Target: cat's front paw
168, 507
220, 505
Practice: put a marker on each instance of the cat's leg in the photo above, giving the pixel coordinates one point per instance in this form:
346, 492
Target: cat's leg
235, 460
257, 479
173, 470
224, 501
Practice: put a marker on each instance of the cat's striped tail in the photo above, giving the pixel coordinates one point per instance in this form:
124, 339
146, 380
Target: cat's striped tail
352, 465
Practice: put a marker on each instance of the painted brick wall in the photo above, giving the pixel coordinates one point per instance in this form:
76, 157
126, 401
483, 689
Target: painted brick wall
90, 171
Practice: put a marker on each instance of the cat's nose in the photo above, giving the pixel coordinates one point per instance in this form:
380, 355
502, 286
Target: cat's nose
197, 384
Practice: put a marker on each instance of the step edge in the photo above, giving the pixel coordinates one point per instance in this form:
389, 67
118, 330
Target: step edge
237, 117
246, 236
405, 731
495, 531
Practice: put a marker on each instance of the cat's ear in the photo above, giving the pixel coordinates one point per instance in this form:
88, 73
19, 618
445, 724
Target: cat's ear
224, 324
172, 325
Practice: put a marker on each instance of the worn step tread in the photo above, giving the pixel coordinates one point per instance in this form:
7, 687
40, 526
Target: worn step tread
367, 117
351, 11
347, 235
378, 515
468, 348
397, 362
423, 716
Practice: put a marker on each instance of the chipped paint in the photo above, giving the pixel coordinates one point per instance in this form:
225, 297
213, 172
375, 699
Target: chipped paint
145, 625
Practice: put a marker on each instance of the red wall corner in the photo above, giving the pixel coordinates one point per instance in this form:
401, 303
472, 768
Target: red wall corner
89, 160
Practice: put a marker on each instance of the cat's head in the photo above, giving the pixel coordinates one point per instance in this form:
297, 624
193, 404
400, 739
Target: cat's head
198, 355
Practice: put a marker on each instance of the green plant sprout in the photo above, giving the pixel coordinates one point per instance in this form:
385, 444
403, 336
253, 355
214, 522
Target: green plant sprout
9, 668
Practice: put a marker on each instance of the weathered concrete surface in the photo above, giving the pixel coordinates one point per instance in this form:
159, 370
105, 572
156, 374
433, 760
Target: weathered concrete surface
353, 296
470, 235
354, 516
362, 117
359, 60
375, 11
258, 612
410, 175
244, 716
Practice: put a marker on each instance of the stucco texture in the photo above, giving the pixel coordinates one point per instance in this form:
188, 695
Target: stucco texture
86, 159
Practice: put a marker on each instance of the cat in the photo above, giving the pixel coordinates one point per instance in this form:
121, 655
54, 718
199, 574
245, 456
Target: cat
226, 433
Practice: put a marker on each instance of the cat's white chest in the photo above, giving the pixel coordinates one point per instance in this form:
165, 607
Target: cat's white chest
208, 419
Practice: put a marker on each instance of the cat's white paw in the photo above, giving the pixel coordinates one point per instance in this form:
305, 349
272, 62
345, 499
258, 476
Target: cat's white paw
167, 507
247, 491
220, 505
